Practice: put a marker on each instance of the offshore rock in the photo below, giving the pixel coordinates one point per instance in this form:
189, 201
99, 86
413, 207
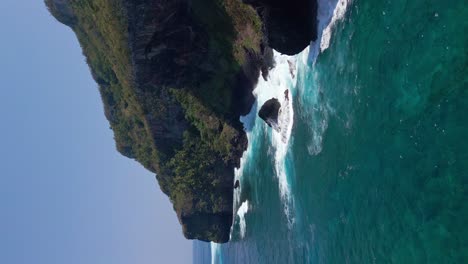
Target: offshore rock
270, 112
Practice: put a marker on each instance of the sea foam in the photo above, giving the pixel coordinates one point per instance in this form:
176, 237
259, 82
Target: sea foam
281, 78
317, 111
328, 13
241, 213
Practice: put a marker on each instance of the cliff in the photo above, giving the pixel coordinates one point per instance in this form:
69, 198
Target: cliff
174, 77
289, 25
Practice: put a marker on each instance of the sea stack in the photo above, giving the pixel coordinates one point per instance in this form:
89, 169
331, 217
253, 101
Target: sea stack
270, 112
175, 77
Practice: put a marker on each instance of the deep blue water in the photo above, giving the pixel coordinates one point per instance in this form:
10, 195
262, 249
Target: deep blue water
371, 163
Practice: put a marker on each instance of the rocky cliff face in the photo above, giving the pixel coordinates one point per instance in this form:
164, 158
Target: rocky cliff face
175, 75
178, 59
290, 25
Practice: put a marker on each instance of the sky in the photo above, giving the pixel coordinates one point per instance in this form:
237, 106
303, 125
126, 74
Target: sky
66, 194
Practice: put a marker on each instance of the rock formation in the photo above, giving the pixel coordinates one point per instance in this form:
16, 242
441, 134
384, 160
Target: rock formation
290, 25
270, 112
174, 77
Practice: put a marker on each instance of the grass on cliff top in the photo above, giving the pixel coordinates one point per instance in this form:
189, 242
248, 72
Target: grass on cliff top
192, 175
233, 28
101, 30
232, 25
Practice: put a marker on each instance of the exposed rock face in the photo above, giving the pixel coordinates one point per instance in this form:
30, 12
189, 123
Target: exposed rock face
163, 46
170, 49
290, 25
269, 113
174, 77
237, 184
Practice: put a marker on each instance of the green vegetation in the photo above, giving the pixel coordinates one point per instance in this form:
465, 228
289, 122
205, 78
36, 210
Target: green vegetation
197, 159
193, 169
99, 26
215, 133
233, 29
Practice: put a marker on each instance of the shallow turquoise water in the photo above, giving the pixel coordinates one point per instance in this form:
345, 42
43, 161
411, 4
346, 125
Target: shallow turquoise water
377, 160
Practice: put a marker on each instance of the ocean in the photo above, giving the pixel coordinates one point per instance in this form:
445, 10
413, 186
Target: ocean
371, 163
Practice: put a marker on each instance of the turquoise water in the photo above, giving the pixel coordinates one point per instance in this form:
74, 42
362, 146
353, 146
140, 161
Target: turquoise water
375, 167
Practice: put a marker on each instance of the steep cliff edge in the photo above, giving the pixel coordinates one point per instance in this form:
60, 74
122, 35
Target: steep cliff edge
174, 77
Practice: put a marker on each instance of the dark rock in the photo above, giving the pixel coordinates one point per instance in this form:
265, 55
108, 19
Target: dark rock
207, 227
236, 184
289, 25
176, 60
269, 112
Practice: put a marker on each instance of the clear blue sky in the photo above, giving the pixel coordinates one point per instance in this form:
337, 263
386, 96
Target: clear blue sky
66, 194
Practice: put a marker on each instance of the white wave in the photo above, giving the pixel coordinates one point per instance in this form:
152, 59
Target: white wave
311, 96
248, 121
338, 14
281, 78
314, 108
329, 11
243, 209
252, 135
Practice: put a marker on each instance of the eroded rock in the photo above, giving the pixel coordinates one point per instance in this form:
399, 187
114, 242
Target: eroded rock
270, 112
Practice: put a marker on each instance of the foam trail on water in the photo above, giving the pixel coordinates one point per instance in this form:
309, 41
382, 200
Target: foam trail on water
315, 110
338, 14
252, 136
248, 121
241, 213
314, 105
281, 78
329, 11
